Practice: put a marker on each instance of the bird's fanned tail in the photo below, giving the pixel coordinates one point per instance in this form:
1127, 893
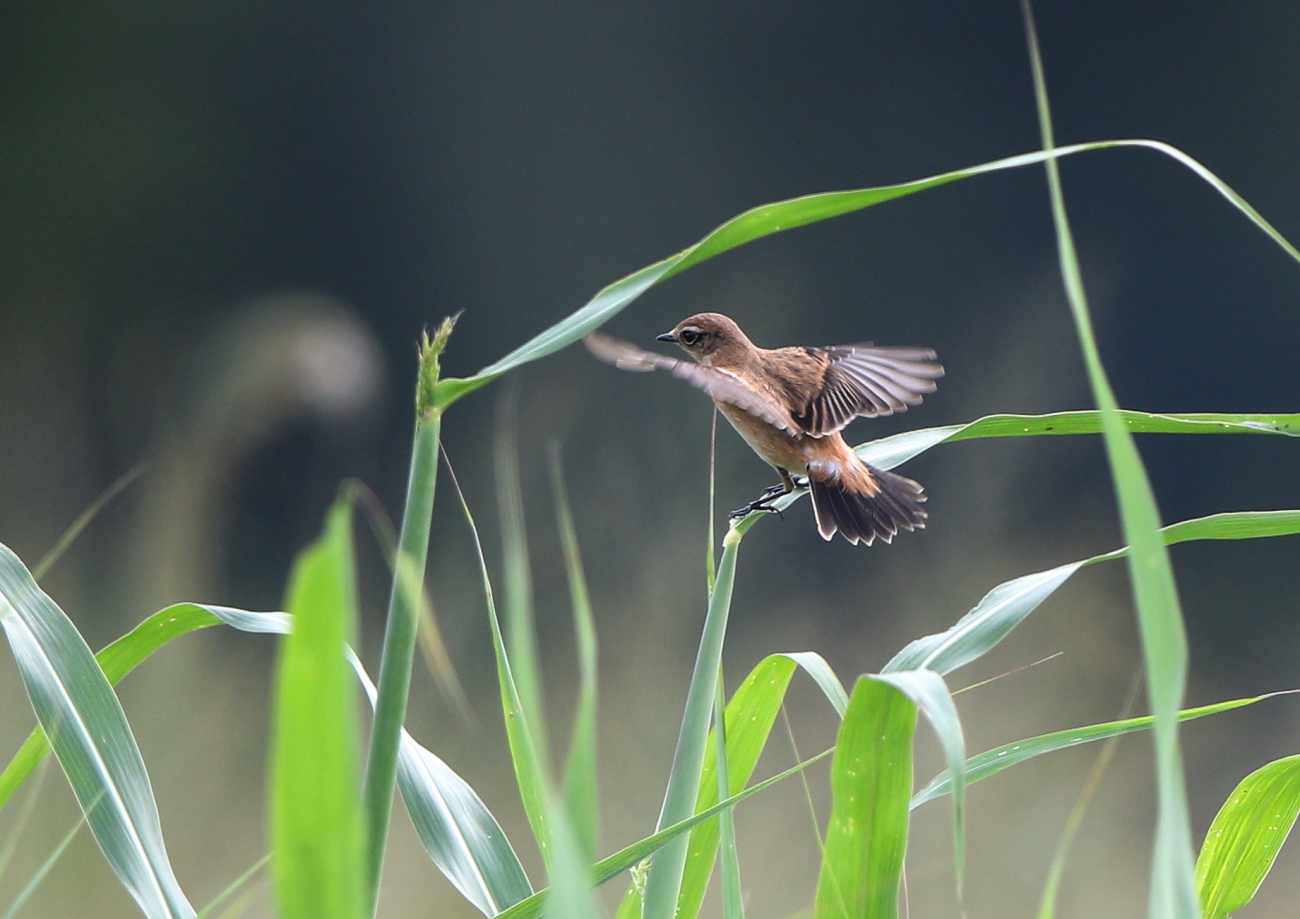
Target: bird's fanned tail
861, 517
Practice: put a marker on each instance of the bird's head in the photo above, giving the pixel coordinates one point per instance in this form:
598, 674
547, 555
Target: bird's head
709, 338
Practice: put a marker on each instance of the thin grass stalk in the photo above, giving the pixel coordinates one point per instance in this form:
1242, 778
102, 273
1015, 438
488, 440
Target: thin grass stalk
403, 610
1160, 621
665, 880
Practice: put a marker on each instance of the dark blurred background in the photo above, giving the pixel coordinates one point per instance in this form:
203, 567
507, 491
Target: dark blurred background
223, 226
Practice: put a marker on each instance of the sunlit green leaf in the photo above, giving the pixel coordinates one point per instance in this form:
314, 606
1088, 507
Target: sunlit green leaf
1246, 835
871, 781
994, 761
317, 825
77, 708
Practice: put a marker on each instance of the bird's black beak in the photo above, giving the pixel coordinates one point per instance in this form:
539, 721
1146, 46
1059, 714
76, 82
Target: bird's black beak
667, 336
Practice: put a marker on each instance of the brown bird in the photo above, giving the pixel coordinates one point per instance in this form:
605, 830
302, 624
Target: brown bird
790, 404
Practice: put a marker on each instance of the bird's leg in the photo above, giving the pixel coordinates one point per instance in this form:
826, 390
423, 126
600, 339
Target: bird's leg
784, 487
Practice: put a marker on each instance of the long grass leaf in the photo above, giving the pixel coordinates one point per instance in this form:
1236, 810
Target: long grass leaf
317, 825
750, 715
991, 762
930, 694
871, 781
1160, 620
77, 708
779, 216
524, 753
1006, 606
663, 886
1246, 836
580, 775
458, 831
630, 857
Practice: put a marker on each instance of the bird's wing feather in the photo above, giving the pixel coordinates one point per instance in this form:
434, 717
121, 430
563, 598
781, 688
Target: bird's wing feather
722, 386
866, 381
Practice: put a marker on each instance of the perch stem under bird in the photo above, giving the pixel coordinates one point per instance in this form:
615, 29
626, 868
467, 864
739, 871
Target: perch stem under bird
790, 404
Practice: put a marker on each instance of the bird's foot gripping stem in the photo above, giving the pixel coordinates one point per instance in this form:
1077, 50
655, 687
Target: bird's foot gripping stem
763, 504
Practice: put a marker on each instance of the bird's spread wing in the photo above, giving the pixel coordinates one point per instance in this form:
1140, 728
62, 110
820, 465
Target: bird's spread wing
866, 381
722, 386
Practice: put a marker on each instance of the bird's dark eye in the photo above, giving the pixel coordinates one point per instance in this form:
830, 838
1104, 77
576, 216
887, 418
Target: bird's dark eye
689, 336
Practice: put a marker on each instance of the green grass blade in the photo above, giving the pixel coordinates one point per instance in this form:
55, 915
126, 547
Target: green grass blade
888, 452
975, 634
461, 836
317, 825
779, 216
524, 754
458, 831
930, 694
402, 623
1160, 620
580, 776
994, 761
1006, 606
663, 886
572, 891
628, 858
1246, 835
871, 781
750, 715
76, 706
125, 654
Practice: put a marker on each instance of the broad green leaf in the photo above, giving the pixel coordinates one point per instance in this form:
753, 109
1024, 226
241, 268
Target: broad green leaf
975, 634
317, 825
1159, 613
750, 715
1246, 836
994, 761
459, 833
930, 694
871, 781
91, 738
121, 657
890, 452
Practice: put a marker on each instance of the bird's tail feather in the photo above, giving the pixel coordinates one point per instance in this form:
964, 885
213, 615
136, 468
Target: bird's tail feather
895, 505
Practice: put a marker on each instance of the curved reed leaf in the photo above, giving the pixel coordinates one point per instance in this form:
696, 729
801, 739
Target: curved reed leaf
1246, 835
930, 694
871, 781
77, 708
750, 715
779, 216
994, 761
1007, 605
317, 825
459, 833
